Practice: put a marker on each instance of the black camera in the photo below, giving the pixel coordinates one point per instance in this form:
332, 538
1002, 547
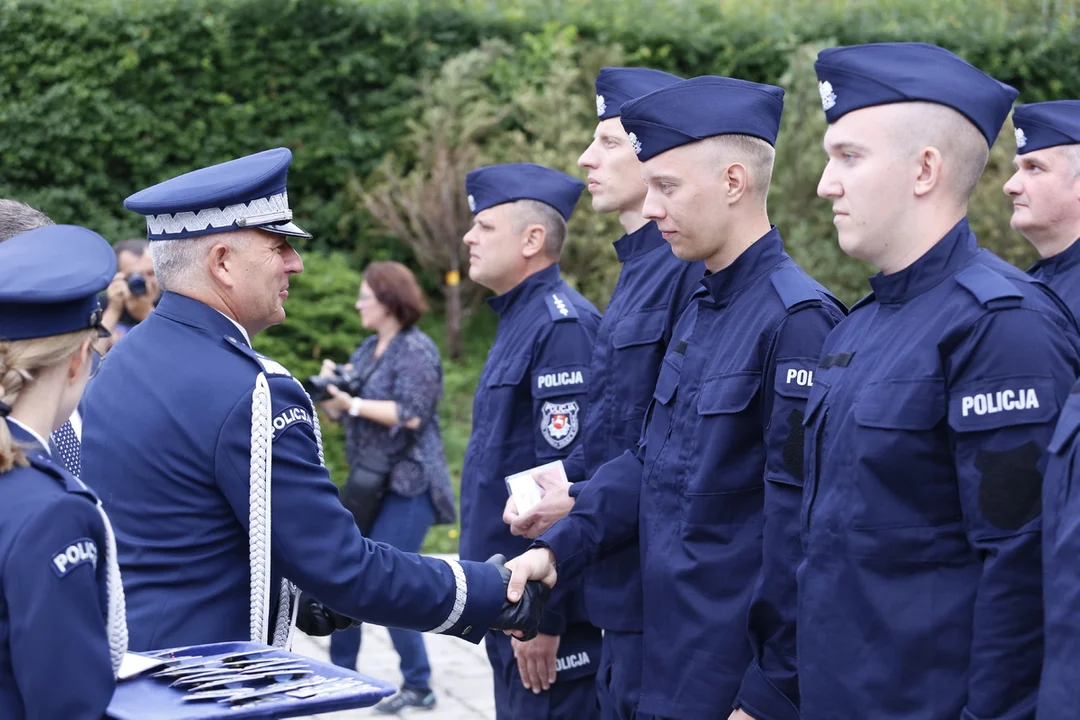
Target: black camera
344, 378
136, 284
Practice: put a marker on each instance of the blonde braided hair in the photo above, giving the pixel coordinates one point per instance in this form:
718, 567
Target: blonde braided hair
19, 360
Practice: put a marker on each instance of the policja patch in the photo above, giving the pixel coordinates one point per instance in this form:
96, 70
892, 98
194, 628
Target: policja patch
559, 423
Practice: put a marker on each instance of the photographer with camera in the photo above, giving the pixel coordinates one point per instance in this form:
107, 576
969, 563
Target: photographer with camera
387, 398
133, 292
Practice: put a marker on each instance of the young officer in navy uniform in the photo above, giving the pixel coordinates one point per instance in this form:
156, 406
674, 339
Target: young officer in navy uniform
920, 593
62, 629
528, 410
208, 455
1045, 191
713, 491
653, 289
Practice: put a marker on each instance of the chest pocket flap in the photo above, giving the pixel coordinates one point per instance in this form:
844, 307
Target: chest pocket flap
510, 373
902, 404
640, 328
729, 393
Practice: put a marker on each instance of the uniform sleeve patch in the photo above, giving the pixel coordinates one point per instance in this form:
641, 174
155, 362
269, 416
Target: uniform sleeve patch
290, 416
561, 381
80, 552
1010, 486
795, 378
559, 423
1002, 403
793, 446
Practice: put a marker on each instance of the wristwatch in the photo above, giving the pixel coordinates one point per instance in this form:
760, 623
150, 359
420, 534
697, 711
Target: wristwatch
354, 406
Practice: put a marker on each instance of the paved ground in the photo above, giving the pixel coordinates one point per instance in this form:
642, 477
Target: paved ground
461, 676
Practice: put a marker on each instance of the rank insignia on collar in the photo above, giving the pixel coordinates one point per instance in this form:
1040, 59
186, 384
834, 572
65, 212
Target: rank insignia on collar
828, 97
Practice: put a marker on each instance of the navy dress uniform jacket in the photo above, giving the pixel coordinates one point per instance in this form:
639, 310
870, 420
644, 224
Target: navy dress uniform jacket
653, 289
920, 593
1062, 273
166, 443
54, 645
713, 493
528, 409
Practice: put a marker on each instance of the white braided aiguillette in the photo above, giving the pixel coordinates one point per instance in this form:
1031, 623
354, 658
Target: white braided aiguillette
259, 509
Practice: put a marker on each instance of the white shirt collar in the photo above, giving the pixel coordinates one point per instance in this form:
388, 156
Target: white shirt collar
238, 326
41, 440
76, 423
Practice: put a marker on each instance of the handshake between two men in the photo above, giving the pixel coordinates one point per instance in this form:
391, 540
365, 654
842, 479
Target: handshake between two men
522, 609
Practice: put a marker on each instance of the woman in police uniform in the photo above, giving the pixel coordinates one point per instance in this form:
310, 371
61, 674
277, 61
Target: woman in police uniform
62, 629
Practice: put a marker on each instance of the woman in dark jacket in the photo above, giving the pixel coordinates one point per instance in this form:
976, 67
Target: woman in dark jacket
393, 420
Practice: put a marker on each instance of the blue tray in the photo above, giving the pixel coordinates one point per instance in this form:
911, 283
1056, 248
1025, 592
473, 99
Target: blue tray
148, 698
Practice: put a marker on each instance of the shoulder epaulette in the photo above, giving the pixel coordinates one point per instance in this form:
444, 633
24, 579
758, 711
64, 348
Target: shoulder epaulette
560, 307
270, 367
794, 287
987, 285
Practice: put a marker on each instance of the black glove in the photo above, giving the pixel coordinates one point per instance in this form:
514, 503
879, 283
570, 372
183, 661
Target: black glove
317, 620
525, 614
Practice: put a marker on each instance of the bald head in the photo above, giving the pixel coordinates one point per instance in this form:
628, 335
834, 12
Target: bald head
918, 125
756, 155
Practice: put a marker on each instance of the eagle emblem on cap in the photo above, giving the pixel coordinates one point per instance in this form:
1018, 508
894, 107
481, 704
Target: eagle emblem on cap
601, 105
1021, 138
828, 97
472, 204
634, 143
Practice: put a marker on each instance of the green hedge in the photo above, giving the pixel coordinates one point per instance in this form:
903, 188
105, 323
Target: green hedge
101, 98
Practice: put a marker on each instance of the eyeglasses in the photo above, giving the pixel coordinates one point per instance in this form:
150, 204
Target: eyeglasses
96, 361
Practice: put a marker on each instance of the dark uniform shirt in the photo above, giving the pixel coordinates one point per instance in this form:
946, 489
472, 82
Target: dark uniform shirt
716, 479
1062, 273
653, 289
528, 409
1059, 691
54, 646
167, 444
920, 594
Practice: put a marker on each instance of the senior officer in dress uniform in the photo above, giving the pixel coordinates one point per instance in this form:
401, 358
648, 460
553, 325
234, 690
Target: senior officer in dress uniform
208, 455
653, 289
713, 491
62, 629
528, 410
919, 596
1045, 191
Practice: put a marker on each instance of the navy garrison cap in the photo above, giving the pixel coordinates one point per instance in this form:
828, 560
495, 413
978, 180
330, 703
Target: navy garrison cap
617, 85
861, 76
1046, 124
692, 110
248, 192
50, 278
497, 184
